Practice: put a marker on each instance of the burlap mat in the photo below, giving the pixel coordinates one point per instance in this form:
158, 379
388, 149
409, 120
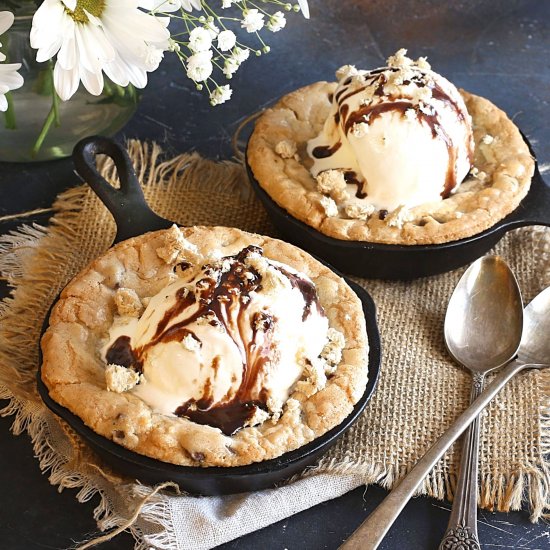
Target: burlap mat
420, 391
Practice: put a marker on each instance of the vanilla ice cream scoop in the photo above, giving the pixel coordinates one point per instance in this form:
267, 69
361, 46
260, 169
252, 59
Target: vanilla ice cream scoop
399, 136
223, 344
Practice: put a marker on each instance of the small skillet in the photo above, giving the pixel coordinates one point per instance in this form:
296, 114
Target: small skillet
400, 262
134, 217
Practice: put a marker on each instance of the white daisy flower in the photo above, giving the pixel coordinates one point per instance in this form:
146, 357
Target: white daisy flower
220, 95
226, 40
253, 20
168, 6
276, 22
199, 66
199, 40
92, 37
240, 54
10, 79
229, 3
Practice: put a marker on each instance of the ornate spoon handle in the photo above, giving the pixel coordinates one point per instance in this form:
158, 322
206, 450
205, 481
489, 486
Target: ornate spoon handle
371, 532
461, 533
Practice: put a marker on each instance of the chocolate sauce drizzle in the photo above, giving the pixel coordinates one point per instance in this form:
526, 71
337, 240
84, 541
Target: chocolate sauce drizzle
222, 298
351, 177
325, 151
370, 112
308, 291
121, 353
229, 417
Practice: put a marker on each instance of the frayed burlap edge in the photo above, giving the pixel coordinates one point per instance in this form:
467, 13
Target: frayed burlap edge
28, 257
125, 505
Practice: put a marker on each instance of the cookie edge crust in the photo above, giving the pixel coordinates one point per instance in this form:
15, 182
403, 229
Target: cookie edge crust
73, 371
290, 185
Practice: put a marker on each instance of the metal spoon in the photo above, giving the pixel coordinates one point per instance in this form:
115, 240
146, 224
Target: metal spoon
535, 346
483, 328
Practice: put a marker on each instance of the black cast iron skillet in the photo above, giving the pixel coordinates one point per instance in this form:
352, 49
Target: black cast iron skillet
400, 262
134, 217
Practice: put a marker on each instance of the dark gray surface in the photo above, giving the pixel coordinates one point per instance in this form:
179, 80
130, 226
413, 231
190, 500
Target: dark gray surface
499, 49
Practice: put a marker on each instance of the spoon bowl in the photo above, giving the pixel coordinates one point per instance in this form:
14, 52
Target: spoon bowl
484, 320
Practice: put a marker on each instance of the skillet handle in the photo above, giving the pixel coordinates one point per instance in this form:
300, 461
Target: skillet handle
127, 204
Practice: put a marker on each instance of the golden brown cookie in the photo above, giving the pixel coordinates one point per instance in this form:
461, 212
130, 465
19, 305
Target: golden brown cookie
501, 177
122, 281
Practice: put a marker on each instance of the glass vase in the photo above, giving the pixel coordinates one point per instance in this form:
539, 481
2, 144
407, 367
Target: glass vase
29, 131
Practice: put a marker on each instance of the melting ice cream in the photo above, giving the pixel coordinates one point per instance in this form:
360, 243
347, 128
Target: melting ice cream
396, 136
223, 344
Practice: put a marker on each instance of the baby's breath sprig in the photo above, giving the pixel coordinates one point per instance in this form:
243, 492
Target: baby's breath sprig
209, 45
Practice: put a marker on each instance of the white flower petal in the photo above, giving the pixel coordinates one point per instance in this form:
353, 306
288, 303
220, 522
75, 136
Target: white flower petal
137, 76
138, 26
93, 82
93, 19
65, 82
49, 25
9, 77
44, 54
189, 5
130, 73
88, 59
67, 57
117, 72
6, 21
71, 4
167, 6
103, 49
304, 8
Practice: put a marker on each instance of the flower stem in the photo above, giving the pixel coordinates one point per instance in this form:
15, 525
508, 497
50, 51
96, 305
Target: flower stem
44, 132
10, 113
52, 118
55, 101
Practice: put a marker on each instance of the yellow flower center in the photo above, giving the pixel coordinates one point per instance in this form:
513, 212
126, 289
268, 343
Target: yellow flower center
94, 7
